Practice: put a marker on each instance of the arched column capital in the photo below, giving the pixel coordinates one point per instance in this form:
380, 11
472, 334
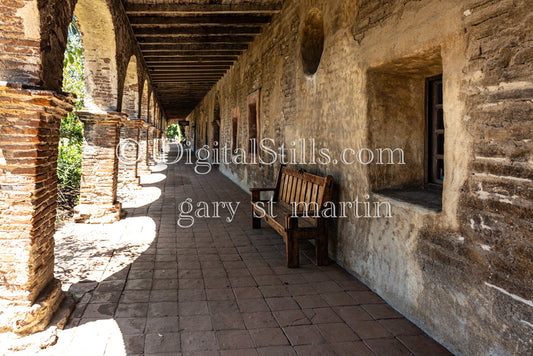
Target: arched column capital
134, 121
102, 118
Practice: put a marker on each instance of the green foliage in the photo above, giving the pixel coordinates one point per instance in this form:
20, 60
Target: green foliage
173, 131
69, 162
71, 134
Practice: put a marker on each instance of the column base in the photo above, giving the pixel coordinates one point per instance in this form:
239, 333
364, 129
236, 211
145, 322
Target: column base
142, 171
27, 319
131, 184
97, 214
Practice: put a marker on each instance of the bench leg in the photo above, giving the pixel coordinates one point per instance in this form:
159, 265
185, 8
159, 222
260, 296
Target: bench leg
321, 251
256, 222
293, 252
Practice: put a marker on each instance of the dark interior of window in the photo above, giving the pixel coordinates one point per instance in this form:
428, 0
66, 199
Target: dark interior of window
435, 127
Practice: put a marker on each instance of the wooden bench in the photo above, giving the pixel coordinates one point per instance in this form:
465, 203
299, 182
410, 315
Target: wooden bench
292, 222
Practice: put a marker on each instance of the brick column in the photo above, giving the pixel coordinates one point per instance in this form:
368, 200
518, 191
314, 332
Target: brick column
142, 167
98, 190
128, 153
150, 149
158, 142
29, 136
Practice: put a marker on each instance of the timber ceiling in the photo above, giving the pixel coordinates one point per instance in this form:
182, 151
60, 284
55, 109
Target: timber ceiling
188, 45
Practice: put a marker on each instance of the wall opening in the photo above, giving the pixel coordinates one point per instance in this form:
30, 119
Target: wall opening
70, 147
100, 54
216, 124
234, 129
312, 44
398, 116
253, 122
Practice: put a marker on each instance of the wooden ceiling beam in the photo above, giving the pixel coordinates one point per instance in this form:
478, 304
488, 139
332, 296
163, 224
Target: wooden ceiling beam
172, 88
190, 56
191, 80
171, 71
191, 86
189, 45
204, 67
196, 78
183, 39
170, 62
195, 20
204, 47
197, 30
167, 74
270, 8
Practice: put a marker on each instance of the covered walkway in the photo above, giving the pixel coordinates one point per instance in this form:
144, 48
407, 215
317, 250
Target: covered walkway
436, 94
149, 286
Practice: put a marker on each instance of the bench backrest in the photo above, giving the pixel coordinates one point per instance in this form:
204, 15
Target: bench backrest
300, 187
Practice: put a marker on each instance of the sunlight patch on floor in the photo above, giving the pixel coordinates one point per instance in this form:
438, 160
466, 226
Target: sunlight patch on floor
86, 252
138, 198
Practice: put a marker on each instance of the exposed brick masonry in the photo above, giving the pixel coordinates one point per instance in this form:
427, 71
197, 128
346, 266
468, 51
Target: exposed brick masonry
142, 167
29, 135
128, 153
98, 191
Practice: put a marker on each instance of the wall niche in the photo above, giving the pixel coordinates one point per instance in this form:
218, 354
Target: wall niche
312, 44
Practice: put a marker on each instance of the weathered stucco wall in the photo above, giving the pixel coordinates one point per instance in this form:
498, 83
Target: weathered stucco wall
463, 274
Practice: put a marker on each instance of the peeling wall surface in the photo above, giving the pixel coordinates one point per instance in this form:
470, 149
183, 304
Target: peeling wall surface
461, 268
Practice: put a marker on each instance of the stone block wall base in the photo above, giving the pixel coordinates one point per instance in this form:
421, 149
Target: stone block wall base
28, 319
97, 214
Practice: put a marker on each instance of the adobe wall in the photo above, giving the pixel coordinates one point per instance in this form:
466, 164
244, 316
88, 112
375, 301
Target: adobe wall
463, 274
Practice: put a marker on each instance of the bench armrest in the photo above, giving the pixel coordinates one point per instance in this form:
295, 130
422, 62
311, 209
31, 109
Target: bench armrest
256, 192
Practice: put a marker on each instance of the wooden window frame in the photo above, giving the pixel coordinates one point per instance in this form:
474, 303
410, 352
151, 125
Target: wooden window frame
434, 103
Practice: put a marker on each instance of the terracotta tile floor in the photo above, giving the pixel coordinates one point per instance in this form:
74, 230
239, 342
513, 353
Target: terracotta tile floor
217, 288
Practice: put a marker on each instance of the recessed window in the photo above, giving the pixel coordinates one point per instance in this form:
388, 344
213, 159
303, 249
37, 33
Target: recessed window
253, 122
312, 44
405, 112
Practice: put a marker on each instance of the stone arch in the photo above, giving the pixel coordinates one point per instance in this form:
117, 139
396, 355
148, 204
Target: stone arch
100, 57
144, 102
36, 34
55, 17
130, 94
